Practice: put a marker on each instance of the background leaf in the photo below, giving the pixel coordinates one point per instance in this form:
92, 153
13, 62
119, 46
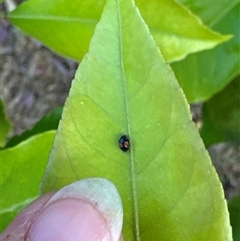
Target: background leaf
210, 12
176, 31
5, 124
46, 123
22, 168
203, 74
234, 210
221, 115
123, 86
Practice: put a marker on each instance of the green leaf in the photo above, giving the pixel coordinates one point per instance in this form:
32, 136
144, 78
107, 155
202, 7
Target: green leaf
68, 28
177, 31
212, 11
221, 115
167, 183
5, 124
203, 74
234, 210
48, 122
22, 168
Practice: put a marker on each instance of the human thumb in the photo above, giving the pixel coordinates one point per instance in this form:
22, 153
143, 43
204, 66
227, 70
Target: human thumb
86, 210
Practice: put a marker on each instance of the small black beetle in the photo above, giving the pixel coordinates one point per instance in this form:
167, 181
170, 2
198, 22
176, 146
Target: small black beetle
124, 143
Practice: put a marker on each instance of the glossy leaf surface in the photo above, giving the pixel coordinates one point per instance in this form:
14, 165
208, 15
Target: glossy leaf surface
221, 115
67, 28
124, 87
22, 168
203, 74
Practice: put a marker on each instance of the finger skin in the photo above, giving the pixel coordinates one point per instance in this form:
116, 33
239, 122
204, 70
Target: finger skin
88, 209
18, 229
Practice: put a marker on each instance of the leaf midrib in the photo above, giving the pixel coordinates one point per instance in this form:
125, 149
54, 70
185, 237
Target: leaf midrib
132, 167
56, 18
92, 21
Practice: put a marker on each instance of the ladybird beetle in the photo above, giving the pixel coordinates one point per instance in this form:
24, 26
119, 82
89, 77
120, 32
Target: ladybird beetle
124, 143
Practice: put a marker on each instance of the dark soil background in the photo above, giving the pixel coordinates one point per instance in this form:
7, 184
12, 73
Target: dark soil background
34, 81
